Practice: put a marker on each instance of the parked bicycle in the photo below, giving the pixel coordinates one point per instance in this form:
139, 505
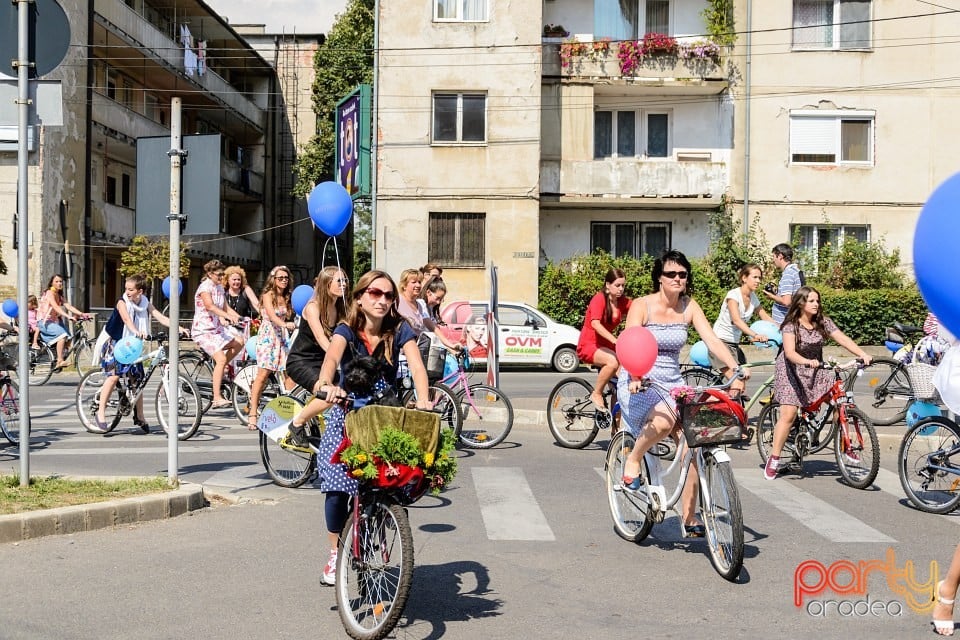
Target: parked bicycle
928, 464
487, 413
833, 418
709, 419
572, 417
79, 350
132, 385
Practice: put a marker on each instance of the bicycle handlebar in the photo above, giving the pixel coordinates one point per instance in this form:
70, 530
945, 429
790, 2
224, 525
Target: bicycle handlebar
857, 362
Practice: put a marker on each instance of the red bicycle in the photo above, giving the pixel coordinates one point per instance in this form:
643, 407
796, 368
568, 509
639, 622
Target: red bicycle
832, 418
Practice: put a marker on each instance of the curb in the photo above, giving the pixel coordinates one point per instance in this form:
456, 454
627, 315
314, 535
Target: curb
17, 527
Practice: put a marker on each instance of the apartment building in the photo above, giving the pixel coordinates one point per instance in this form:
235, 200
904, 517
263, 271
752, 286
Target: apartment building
825, 120
852, 109
128, 60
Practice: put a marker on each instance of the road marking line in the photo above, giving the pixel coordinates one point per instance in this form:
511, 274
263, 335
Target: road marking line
112, 451
819, 516
509, 510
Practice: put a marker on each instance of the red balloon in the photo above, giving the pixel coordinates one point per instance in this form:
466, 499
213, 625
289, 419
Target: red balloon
637, 350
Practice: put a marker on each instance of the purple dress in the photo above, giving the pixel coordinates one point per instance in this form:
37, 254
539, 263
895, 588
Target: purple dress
800, 386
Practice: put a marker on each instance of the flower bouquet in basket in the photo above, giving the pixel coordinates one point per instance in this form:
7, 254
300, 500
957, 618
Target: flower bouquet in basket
398, 459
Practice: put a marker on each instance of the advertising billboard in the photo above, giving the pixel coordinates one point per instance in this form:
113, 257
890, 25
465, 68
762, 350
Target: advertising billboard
353, 142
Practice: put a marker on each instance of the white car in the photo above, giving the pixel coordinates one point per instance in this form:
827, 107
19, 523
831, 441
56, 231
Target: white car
526, 335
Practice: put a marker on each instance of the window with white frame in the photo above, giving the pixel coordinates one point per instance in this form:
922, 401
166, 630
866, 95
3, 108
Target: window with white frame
837, 137
460, 10
818, 236
831, 24
630, 238
623, 19
459, 117
629, 134
457, 239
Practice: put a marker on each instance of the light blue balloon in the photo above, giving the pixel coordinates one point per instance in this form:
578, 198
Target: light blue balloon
300, 297
918, 410
165, 287
10, 307
127, 350
699, 354
330, 207
252, 347
768, 329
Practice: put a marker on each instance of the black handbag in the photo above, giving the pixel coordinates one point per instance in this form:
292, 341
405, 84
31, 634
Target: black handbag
114, 327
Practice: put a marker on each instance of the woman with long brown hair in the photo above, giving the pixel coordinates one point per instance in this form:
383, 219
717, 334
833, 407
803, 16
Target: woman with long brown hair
275, 324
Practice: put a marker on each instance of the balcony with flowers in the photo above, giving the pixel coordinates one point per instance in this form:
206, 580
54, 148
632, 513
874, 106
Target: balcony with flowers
656, 58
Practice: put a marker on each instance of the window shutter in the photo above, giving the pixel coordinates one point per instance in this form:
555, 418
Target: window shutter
812, 136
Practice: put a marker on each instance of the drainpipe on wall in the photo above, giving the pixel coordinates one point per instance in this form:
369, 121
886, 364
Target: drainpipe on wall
746, 126
88, 157
374, 130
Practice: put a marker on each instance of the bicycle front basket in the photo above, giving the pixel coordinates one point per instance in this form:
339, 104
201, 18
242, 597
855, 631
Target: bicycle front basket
921, 379
363, 426
712, 419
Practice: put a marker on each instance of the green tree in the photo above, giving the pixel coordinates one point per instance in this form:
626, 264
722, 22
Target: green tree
362, 239
342, 62
151, 258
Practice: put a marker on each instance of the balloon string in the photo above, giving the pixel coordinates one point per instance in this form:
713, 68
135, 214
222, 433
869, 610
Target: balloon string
336, 253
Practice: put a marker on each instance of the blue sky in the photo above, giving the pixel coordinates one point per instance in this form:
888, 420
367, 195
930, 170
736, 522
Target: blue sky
299, 16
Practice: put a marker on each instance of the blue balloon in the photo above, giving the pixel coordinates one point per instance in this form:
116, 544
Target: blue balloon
127, 350
300, 297
165, 287
252, 347
330, 207
768, 329
10, 307
699, 354
918, 410
934, 248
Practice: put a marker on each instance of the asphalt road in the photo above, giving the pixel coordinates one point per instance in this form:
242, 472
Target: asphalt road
520, 545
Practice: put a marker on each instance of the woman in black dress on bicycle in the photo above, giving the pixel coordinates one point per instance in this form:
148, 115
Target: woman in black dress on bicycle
240, 296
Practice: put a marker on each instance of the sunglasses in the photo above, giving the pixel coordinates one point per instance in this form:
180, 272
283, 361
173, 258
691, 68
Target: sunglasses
376, 294
282, 278
670, 275
342, 281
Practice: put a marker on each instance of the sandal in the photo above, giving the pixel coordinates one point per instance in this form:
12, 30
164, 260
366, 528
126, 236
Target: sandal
630, 482
220, 404
943, 627
693, 530
252, 423
140, 422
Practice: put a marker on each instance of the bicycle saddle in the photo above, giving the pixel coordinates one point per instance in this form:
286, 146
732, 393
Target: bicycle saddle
907, 328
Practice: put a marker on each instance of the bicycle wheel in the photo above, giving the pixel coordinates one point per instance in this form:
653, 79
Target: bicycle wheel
857, 450
289, 466
444, 402
189, 402
928, 474
42, 361
240, 396
882, 391
83, 356
571, 415
700, 377
765, 422
630, 510
722, 517
198, 368
88, 402
374, 570
10, 410
487, 417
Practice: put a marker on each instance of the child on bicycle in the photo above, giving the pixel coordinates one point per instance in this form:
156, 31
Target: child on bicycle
372, 325
799, 380
597, 344
135, 310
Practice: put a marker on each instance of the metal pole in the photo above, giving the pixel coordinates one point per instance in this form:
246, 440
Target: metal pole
746, 128
173, 381
374, 147
23, 108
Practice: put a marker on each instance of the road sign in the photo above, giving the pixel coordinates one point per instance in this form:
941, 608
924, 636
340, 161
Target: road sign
49, 36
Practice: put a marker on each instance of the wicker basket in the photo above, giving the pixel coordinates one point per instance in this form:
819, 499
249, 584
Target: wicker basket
921, 379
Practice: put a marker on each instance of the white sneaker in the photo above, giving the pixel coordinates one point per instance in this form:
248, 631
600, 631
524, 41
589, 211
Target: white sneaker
329, 576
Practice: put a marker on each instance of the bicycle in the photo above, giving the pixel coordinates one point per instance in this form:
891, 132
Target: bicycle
287, 464
487, 413
852, 433
240, 389
9, 397
130, 386
927, 465
709, 419
375, 554
572, 417
887, 389
79, 349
